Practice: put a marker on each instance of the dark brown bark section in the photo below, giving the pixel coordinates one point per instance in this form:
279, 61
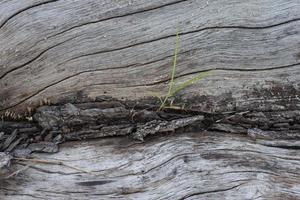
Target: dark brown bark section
52, 125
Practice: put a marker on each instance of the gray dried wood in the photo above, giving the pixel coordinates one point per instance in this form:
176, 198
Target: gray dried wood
63, 51
74, 51
200, 165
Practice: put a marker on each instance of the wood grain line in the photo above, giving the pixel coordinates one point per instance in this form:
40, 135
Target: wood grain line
183, 33
119, 16
25, 9
149, 84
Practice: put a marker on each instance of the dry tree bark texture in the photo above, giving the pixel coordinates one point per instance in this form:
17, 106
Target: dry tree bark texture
75, 73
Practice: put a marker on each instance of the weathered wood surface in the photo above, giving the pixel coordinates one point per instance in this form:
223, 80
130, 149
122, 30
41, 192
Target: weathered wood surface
258, 159
248, 163
64, 50
85, 52
202, 165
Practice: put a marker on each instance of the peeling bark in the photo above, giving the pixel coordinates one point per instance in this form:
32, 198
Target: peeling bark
52, 125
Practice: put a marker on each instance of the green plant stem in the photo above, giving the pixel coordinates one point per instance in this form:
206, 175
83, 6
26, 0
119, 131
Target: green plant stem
171, 84
173, 89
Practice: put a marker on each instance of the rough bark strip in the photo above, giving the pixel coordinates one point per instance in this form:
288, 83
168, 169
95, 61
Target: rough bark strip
52, 125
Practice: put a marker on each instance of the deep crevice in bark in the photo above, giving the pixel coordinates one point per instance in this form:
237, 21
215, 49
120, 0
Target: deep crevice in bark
55, 124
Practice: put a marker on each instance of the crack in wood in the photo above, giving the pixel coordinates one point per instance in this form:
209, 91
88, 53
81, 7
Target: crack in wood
115, 17
35, 58
180, 34
218, 69
154, 40
145, 84
26, 9
211, 191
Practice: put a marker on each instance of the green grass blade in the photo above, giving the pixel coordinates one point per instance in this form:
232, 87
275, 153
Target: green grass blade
189, 82
171, 85
172, 88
